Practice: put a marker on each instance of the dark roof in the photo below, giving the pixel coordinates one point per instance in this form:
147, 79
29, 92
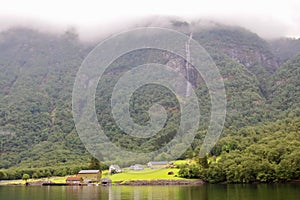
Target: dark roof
105, 180
88, 172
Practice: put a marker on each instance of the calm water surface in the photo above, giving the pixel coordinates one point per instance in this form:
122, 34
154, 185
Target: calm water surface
203, 192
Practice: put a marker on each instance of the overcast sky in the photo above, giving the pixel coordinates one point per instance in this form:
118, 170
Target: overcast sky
267, 18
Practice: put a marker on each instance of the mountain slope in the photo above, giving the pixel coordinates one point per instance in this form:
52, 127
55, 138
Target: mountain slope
284, 86
37, 73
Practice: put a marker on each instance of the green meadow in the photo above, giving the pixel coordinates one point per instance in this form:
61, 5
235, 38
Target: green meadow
146, 174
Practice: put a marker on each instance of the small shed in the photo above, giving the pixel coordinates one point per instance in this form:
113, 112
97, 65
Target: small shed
136, 167
158, 164
106, 181
90, 176
114, 169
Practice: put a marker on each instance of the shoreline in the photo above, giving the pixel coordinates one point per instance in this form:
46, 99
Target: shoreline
118, 183
115, 183
158, 182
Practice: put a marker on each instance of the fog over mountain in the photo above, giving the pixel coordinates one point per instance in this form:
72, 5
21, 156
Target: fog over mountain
265, 27
95, 19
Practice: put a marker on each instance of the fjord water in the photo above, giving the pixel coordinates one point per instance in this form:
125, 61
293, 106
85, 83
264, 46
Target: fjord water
203, 192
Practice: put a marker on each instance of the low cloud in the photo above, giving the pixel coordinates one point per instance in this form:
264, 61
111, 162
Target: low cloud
266, 27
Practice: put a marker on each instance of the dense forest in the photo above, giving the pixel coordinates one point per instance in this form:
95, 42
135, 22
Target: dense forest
260, 140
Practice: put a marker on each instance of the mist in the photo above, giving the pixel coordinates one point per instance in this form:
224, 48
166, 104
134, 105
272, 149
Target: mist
265, 27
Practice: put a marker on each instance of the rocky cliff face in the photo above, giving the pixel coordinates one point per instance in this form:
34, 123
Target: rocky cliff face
250, 57
241, 45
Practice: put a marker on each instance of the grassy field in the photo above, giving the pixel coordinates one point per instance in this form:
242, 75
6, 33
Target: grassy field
146, 174
22, 182
183, 162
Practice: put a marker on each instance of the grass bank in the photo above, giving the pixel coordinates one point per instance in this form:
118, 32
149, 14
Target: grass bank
22, 182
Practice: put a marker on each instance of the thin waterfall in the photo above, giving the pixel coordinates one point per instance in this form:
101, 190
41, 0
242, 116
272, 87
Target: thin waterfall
188, 66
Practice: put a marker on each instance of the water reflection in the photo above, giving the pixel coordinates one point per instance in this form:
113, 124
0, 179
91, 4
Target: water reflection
155, 192
203, 192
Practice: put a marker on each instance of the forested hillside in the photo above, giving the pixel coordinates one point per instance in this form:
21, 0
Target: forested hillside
37, 73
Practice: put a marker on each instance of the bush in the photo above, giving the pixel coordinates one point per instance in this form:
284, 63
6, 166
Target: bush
3, 175
25, 177
190, 171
